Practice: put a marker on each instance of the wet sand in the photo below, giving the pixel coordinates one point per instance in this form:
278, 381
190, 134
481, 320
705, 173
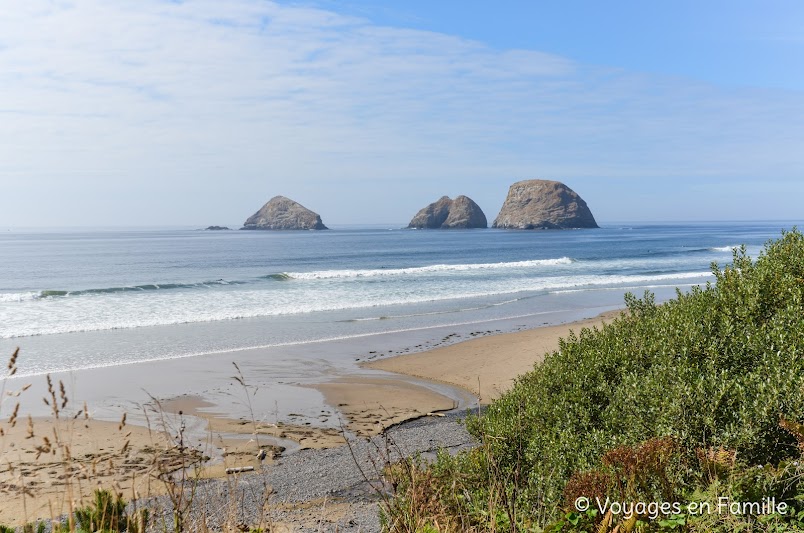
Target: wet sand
370, 405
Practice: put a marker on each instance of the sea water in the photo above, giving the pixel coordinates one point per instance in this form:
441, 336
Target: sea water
75, 298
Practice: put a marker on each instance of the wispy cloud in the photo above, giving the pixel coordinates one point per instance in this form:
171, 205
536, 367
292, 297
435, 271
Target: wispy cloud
110, 99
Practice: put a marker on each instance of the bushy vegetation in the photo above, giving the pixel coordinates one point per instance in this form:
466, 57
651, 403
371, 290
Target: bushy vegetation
106, 514
691, 400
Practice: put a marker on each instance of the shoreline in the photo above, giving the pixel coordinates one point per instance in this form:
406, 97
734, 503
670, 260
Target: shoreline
362, 401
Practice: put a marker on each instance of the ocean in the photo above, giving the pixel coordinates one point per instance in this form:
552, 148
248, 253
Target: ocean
75, 298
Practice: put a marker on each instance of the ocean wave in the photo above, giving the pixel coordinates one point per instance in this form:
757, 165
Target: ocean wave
723, 248
282, 276
19, 296
322, 340
37, 295
412, 271
69, 315
517, 267
625, 288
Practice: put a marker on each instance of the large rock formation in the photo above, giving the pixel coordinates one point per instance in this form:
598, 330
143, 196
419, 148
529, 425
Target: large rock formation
433, 215
465, 213
283, 213
543, 204
445, 213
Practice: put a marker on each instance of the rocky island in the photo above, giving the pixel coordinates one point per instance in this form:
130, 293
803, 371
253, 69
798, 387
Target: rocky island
216, 228
446, 213
282, 213
543, 204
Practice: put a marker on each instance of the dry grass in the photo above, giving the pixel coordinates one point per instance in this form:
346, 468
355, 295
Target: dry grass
67, 466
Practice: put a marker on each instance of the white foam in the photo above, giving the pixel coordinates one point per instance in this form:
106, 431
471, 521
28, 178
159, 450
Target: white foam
156, 308
626, 288
723, 248
284, 344
412, 271
19, 296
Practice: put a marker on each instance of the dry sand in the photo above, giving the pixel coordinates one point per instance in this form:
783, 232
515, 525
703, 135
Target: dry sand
47, 467
486, 366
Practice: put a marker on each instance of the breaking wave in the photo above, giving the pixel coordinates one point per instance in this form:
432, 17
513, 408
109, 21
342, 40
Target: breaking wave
68, 315
37, 295
413, 271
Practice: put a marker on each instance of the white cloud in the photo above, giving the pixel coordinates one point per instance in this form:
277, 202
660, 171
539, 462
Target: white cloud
110, 101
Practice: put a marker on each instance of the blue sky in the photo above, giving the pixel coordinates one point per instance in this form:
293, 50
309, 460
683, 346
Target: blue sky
733, 42
197, 112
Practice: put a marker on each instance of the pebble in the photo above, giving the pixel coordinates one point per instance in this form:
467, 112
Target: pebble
323, 477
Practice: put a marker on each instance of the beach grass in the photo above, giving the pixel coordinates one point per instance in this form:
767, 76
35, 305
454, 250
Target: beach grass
70, 473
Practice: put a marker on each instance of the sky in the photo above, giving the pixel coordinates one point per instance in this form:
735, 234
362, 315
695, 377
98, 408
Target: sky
196, 112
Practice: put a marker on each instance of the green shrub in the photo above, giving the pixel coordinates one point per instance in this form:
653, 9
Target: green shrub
38, 527
107, 513
716, 367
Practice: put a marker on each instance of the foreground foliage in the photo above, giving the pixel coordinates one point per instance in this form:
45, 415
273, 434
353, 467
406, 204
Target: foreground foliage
693, 400
106, 513
169, 459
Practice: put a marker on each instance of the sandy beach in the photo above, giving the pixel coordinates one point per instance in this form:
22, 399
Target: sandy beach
48, 466
486, 366
364, 402
369, 405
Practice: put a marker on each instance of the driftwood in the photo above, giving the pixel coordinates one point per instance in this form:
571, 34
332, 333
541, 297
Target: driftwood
238, 469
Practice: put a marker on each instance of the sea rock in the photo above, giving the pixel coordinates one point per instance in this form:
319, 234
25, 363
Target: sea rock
216, 228
433, 215
465, 213
543, 204
282, 213
445, 213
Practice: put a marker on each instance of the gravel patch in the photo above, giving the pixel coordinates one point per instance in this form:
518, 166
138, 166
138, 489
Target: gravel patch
320, 490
